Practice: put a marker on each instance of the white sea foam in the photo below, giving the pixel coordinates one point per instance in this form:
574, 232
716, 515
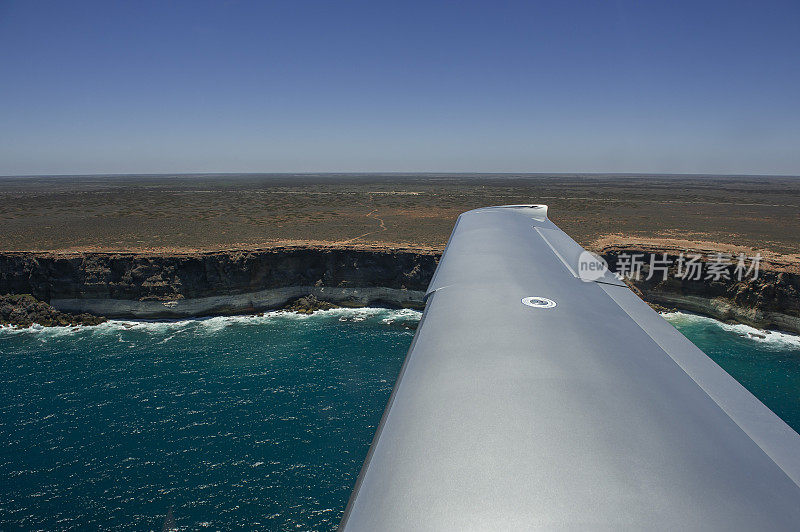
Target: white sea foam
40, 330
776, 338
402, 314
172, 328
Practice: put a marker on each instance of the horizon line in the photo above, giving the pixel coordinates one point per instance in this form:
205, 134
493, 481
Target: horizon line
400, 173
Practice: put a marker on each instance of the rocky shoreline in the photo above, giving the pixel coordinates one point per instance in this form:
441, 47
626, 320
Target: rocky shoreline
86, 288
24, 310
771, 300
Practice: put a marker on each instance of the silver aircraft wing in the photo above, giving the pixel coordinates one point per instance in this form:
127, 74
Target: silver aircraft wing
584, 410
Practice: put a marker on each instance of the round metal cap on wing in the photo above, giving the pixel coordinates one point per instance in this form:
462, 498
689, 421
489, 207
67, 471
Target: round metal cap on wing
538, 302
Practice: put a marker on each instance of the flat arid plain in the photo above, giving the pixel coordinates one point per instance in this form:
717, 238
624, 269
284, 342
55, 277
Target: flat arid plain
213, 212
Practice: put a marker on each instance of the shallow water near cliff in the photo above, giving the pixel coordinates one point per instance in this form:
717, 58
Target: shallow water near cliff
236, 422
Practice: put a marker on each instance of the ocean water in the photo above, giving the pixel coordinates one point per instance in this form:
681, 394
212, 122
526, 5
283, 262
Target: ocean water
237, 422
765, 362
241, 422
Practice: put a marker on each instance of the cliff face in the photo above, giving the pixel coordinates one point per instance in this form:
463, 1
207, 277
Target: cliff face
180, 285
769, 301
143, 285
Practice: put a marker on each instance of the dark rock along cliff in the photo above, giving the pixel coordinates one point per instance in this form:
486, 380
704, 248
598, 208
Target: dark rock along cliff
770, 301
169, 277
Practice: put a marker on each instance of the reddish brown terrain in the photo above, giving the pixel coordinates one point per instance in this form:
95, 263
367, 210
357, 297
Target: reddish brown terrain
174, 213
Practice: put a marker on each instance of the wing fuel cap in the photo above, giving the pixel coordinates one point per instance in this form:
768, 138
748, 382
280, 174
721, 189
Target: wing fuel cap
538, 302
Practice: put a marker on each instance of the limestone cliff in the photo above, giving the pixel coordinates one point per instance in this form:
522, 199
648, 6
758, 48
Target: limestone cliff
195, 284
191, 284
771, 300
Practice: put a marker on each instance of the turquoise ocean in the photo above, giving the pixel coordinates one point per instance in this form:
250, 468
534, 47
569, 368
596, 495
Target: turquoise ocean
257, 422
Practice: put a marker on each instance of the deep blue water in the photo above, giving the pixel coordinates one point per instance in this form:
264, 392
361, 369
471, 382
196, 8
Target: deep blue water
245, 422
259, 423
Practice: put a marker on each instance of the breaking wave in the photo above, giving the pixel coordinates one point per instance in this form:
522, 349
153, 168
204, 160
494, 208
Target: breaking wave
211, 325
775, 339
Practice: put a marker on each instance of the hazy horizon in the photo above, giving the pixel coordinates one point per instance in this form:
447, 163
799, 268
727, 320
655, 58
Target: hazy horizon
403, 174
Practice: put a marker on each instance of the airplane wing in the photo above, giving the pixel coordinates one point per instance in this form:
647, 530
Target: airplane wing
532, 399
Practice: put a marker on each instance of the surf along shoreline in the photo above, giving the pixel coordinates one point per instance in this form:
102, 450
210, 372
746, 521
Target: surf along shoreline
86, 287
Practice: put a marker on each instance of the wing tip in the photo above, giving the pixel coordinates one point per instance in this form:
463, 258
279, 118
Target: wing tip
533, 210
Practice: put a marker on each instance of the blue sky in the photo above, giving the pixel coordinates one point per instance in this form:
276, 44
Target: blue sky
293, 86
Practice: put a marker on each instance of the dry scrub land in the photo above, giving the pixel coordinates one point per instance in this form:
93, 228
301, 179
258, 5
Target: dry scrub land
213, 212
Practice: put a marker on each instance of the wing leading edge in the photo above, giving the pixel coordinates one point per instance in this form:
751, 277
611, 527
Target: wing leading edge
593, 412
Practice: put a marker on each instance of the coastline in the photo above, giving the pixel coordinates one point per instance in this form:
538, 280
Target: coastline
249, 302
769, 300
723, 311
771, 338
119, 285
